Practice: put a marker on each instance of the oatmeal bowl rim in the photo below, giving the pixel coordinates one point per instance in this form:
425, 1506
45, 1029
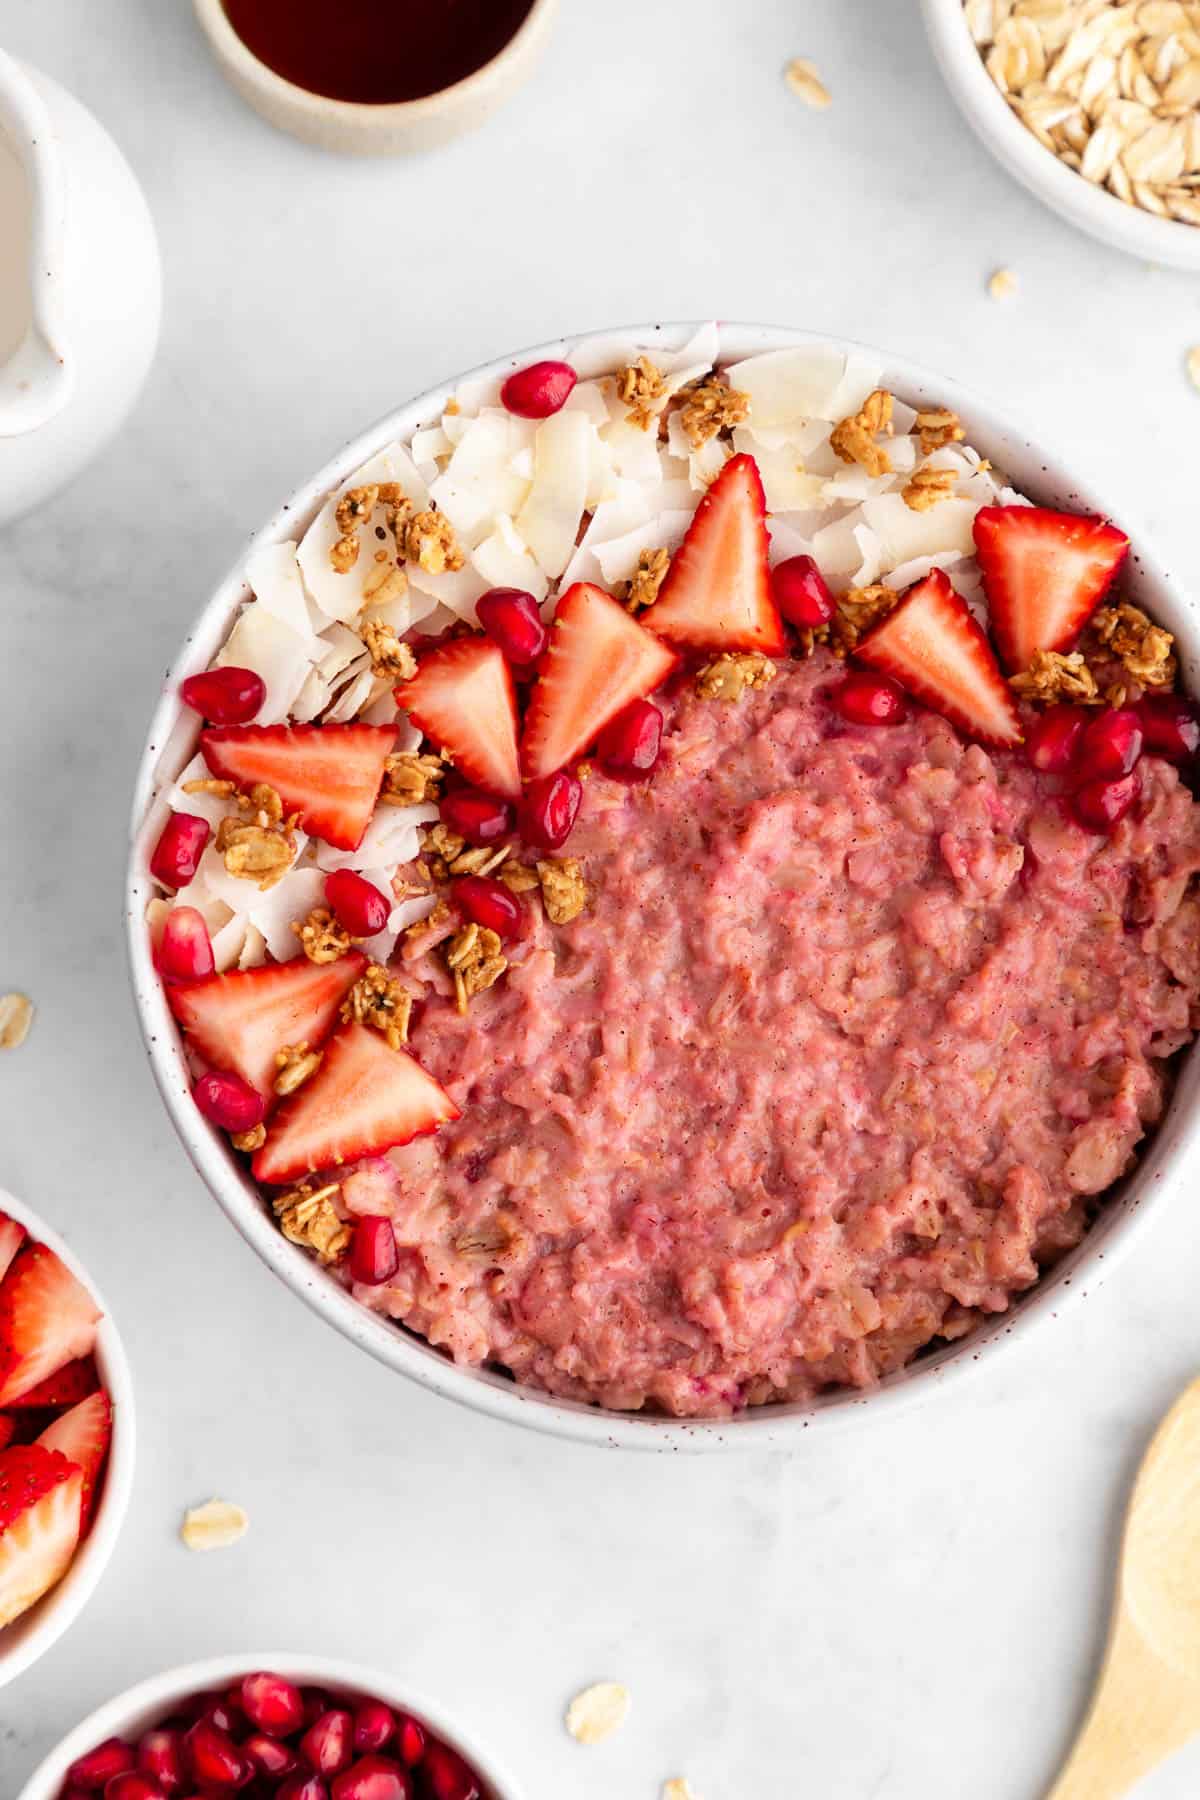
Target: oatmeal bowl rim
1092, 209
1033, 469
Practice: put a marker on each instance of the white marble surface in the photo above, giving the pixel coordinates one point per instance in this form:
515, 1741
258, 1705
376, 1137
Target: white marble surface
908, 1612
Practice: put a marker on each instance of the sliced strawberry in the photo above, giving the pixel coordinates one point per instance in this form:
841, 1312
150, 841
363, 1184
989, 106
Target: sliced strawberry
932, 646
364, 1099
717, 594
83, 1435
12, 1236
597, 662
72, 1383
1044, 575
40, 1516
240, 1020
462, 696
329, 774
47, 1319
8, 1430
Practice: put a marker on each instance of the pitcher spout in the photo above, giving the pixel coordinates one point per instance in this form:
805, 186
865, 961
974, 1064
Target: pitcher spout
37, 378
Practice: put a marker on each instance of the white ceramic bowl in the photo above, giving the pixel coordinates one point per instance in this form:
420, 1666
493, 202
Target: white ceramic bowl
376, 130
30, 1636
172, 732
1093, 209
142, 1706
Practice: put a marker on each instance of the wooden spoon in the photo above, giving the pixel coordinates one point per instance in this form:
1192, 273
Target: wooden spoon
1147, 1701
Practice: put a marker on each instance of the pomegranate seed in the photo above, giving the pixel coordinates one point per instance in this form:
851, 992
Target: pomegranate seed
326, 1745
511, 619
1170, 725
178, 851
870, 700
549, 810
160, 1755
133, 1787
269, 1756
214, 1756
488, 903
629, 746
1110, 745
224, 1713
94, 1771
231, 1103
316, 1702
272, 1704
373, 1778
357, 904
373, 1254
1053, 738
447, 1776
539, 390
374, 1726
1101, 805
225, 696
410, 1740
801, 594
304, 1787
184, 951
478, 817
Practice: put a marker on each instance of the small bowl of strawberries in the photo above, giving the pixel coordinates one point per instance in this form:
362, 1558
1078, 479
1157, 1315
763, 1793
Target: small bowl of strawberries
66, 1437
300, 1728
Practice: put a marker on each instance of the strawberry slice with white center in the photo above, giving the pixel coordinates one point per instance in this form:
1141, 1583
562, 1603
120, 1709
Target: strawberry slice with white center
329, 774
41, 1498
598, 661
12, 1236
240, 1020
462, 697
47, 1319
932, 646
83, 1435
364, 1099
717, 594
66, 1387
1044, 575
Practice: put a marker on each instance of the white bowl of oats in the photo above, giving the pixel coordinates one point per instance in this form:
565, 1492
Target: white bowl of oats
1093, 105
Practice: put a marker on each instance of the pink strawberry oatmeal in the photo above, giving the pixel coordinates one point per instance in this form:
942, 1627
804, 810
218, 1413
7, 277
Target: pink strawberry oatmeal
734, 959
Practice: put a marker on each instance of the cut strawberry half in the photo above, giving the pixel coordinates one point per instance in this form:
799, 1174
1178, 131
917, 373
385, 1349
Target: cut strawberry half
329, 774
240, 1020
12, 1236
40, 1516
70, 1384
932, 646
8, 1430
717, 594
83, 1435
364, 1099
47, 1319
462, 696
1044, 575
598, 661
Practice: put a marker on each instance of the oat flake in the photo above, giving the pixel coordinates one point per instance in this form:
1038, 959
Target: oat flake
597, 1712
1002, 285
16, 1016
801, 76
1193, 366
213, 1526
679, 1789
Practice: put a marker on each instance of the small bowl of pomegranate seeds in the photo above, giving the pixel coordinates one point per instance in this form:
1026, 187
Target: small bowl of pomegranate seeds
301, 1728
66, 1437
664, 898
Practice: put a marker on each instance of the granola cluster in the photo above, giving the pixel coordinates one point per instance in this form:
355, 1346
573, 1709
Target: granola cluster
474, 958
354, 510
294, 1064
564, 890
710, 407
1054, 676
647, 579
728, 676
854, 438
411, 779
308, 1217
1144, 649
261, 847
927, 486
1120, 634
322, 939
937, 427
382, 1001
642, 388
448, 854
429, 541
859, 610
389, 657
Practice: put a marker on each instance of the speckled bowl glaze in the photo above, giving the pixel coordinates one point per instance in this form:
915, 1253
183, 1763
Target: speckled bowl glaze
142, 1706
1047, 479
30, 1636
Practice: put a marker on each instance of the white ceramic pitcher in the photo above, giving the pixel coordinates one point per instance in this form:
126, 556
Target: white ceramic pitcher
94, 290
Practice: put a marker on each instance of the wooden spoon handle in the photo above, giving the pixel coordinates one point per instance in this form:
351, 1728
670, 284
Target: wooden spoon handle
1143, 1710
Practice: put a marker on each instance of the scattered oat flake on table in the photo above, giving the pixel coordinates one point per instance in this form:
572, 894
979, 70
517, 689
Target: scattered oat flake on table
801, 76
1193, 366
679, 1789
1002, 285
16, 1016
597, 1712
213, 1526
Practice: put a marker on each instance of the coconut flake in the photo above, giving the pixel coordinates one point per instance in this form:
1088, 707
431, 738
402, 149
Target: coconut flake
906, 534
455, 589
254, 950
707, 462
312, 699
790, 385
633, 452
504, 560
600, 355
836, 548
212, 807
274, 576
588, 397
618, 557
549, 520
871, 552
341, 596
229, 942
479, 480
862, 376
906, 575
281, 656
392, 837
293, 898
358, 694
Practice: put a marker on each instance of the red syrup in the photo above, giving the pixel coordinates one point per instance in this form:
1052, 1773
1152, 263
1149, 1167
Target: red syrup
376, 51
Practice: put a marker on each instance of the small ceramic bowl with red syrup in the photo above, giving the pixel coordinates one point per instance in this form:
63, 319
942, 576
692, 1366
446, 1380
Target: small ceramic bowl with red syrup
296, 1727
393, 76
67, 1437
